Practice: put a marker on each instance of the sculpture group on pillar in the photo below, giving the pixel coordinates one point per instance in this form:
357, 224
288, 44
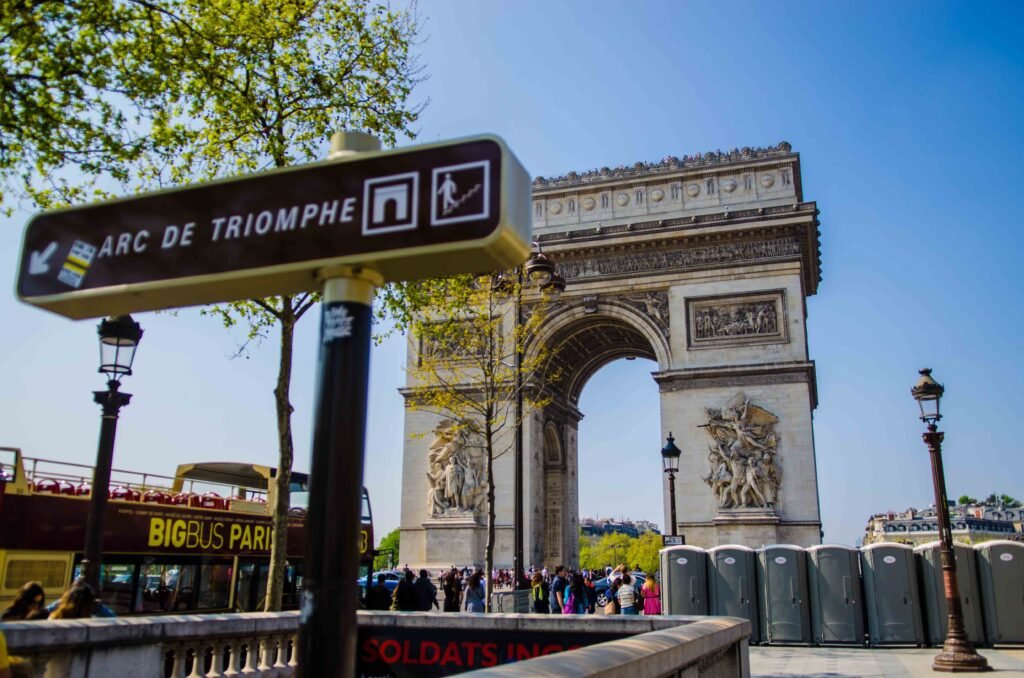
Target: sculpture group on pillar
456, 473
744, 469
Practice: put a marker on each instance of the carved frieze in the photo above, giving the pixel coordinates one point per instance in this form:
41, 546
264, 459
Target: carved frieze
736, 320
665, 261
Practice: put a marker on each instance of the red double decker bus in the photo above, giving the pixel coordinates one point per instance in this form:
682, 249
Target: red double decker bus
198, 541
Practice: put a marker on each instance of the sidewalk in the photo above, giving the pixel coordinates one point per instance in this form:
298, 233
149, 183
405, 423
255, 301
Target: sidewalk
839, 662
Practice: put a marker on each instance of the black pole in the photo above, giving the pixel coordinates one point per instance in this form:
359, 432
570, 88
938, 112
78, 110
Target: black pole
517, 556
672, 499
111, 400
327, 632
958, 654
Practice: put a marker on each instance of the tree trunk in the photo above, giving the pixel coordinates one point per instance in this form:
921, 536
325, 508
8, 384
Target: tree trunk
489, 553
282, 482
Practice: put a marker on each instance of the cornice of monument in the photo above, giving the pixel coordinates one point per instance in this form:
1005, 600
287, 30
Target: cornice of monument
701, 161
738, 376
792, 230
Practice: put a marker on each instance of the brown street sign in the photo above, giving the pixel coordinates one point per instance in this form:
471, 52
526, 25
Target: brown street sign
432, 210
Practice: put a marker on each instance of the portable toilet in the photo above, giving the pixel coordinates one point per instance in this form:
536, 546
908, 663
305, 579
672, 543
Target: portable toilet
1001, 583
782, 592
731, 584
891, 599
684, 580
837, 605
933, 590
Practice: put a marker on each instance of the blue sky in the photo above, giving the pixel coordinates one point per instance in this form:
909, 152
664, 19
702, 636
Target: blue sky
907, 118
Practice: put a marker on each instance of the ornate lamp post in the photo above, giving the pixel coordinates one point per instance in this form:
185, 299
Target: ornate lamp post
670, 460
540, 271
119, 337
958, 653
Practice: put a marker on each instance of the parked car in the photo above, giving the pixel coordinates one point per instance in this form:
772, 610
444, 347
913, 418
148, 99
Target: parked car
601, 586
391, 578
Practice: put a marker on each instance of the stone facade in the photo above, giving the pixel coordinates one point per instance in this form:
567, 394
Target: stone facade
701, 264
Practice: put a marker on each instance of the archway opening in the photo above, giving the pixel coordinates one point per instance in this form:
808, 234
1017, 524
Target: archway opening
620, 472
598, 458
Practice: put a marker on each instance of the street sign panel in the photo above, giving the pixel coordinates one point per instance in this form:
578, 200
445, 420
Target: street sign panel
672, 540
433, 210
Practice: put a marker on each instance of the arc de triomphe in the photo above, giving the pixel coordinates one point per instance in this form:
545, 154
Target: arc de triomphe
701, 264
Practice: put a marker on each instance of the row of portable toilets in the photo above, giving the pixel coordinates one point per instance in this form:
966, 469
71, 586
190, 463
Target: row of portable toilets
882, 594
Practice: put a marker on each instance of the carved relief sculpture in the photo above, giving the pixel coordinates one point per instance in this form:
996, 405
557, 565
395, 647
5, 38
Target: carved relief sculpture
744, 471
455, 472
736, 320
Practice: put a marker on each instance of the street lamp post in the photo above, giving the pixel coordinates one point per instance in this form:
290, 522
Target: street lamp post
119, 337
541, 272
958, 655
670, 460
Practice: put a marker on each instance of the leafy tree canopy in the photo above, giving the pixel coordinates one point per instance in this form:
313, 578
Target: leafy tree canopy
390, 542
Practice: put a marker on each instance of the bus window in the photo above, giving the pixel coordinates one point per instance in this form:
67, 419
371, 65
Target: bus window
214, 587
116, 582
167, 587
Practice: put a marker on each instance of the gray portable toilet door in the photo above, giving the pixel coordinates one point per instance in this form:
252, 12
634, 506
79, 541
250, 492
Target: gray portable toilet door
784, 611
837, 585
895, 596
1005, 571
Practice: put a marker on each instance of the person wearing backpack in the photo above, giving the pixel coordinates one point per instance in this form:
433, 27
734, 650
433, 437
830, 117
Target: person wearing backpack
576, 601
539, 594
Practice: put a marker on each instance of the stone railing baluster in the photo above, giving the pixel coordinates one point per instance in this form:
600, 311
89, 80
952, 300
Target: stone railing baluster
266, 666
217, 647
293, 661
252, 647
198, 655
180, 654
280, 667
234, 659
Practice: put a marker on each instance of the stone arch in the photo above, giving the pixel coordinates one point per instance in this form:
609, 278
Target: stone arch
596, 332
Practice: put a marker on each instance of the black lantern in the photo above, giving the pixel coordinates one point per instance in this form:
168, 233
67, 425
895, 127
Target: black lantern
119, 337
928, 392
670, 455
539, 269
555, 286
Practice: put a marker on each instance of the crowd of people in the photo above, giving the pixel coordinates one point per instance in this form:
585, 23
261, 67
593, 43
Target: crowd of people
560, 591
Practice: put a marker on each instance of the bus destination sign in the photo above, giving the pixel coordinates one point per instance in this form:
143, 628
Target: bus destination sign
433, 210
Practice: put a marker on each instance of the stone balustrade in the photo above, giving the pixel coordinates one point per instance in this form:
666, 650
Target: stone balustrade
249, 644
262, 644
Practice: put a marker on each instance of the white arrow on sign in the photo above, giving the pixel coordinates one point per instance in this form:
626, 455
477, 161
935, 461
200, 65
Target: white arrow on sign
37, 260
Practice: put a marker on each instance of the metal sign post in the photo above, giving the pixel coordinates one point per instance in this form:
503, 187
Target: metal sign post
327, 635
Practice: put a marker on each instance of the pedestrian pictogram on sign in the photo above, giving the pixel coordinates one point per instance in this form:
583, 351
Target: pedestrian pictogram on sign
460, 193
